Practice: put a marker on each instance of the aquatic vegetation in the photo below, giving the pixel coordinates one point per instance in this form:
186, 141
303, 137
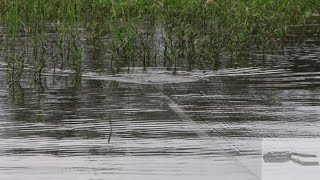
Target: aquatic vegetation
170, 33
110, 133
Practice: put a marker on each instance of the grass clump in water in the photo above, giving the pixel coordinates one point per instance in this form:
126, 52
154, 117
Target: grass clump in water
129, 33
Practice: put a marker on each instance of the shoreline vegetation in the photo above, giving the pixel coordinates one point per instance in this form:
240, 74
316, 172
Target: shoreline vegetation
119, 35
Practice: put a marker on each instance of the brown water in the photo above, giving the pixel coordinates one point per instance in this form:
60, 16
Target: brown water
212, 125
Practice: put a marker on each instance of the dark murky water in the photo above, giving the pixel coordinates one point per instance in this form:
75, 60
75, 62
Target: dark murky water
214, 125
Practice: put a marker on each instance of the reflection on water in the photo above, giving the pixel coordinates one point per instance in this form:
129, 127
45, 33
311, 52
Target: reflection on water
207, 126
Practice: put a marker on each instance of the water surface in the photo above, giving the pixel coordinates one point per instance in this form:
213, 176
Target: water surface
200, 125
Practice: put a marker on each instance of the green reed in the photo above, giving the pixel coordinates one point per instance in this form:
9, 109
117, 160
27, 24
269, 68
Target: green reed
174, 34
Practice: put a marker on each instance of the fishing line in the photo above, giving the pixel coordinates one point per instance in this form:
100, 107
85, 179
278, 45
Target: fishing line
180, 112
